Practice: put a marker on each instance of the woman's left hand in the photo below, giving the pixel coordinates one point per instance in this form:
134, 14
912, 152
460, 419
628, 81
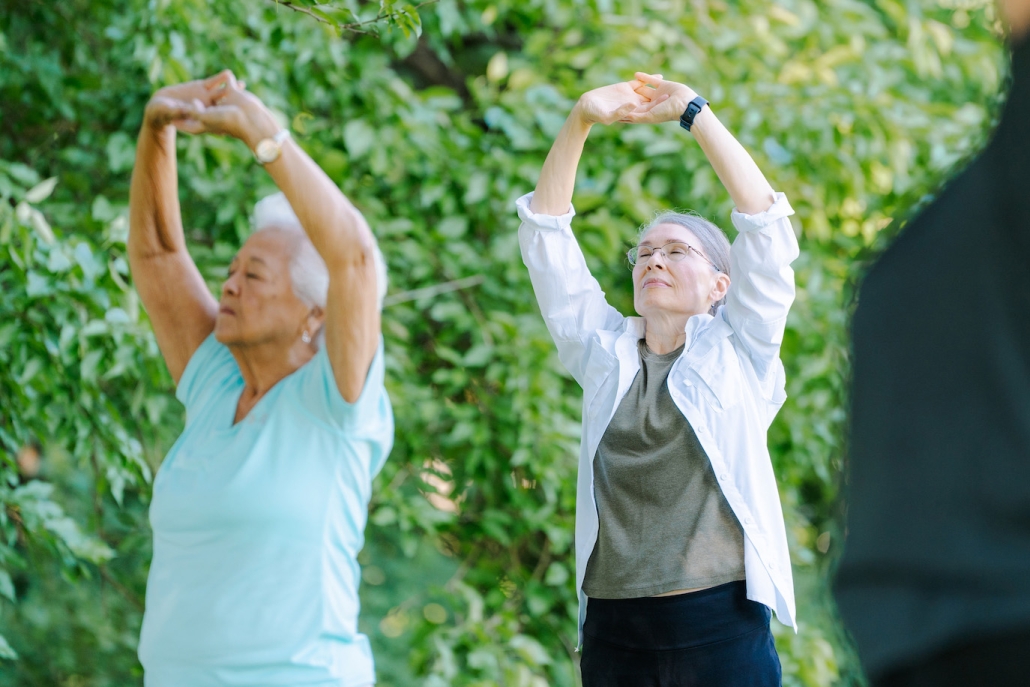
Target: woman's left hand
238, 113
668, 100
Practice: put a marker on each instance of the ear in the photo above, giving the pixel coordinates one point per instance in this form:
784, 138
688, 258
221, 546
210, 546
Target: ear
720, 288
315, 320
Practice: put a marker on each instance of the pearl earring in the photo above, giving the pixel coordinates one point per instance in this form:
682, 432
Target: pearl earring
305, 337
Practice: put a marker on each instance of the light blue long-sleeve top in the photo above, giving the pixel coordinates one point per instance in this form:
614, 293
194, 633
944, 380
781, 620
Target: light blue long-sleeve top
257, 527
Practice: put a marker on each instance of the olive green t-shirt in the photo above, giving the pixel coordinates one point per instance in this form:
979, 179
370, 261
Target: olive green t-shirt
664, 522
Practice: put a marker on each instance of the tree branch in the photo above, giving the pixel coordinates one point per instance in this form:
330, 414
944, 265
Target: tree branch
121, 589
304, 10
353, 27
390, 15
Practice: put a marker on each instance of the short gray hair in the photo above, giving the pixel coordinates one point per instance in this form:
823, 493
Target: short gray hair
309, 275
713, 240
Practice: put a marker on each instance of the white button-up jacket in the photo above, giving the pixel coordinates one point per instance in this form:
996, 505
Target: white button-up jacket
728, 383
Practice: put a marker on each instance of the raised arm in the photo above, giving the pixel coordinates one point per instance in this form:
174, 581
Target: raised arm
762, 282
737, 171
605, 105
571, 301
337, 229
181, 309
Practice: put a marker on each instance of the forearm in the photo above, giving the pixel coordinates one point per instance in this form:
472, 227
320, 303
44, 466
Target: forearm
178, 303
553, 195
337, 229
737, 171
155, 220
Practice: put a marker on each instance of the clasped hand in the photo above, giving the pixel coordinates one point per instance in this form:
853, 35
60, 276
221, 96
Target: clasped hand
221, 105
218, 104
647, 99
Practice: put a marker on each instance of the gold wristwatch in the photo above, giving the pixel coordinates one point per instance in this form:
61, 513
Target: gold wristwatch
267, 149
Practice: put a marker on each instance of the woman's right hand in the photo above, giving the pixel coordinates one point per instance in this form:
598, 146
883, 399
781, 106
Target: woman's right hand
176, 105
613, 103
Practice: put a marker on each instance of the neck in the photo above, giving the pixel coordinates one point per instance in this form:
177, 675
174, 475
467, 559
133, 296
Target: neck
1017, 16
264, 365
665, 334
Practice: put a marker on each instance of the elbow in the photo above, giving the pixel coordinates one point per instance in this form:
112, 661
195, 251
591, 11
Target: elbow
358, 254
349, 241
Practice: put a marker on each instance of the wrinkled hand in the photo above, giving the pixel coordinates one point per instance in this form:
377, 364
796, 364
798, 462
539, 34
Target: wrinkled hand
217, 105
176, 105
667, 100
613, 103
237, 112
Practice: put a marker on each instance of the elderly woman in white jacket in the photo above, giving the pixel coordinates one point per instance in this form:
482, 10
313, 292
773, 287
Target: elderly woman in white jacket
681, 549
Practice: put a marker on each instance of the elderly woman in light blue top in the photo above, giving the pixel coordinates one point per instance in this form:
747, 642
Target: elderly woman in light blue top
681, 550
259, 508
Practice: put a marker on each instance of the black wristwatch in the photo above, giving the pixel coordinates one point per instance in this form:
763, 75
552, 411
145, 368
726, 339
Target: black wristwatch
695, 106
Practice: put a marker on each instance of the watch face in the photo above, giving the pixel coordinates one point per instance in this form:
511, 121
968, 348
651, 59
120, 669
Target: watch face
266, 151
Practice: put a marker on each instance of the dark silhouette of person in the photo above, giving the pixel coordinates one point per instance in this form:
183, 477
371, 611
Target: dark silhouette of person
934, 582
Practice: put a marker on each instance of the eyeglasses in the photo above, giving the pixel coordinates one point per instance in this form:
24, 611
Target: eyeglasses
673, 252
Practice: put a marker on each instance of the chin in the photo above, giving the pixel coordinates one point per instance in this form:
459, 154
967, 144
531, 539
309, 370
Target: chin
659, 300
226, 335
663, 307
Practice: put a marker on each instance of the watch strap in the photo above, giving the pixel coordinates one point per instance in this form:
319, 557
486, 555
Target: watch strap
693, 108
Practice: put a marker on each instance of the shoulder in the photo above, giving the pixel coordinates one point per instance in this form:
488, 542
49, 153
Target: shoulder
313, 388
209, 368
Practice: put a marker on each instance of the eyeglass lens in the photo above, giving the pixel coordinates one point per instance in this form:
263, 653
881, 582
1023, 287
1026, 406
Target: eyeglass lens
671, 251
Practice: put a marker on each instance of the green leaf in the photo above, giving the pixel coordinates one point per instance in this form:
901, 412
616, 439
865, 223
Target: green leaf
41, 191
358, 137
452, 227
32, 367
557, 575
6, 652
121, 151
22, 173
88, 368
530, 650
6, 586
42, 227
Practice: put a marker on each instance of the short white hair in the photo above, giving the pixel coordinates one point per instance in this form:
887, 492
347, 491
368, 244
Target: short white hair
309, 275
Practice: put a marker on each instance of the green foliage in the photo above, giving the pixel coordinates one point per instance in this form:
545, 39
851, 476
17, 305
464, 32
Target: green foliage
77, 370
854, 109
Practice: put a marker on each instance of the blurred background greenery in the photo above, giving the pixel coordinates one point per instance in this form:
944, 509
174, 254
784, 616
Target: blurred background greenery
434, 119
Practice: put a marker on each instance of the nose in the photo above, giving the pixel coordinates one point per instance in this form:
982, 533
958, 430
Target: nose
231, 286
654, 262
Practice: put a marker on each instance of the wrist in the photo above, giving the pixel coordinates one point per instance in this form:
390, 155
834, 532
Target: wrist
161, 134
683, 96
260, 126
702, 120
694, 109
578, 120
154, 122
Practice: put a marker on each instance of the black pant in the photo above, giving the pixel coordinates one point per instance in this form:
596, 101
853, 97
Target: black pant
712, 638
999, 661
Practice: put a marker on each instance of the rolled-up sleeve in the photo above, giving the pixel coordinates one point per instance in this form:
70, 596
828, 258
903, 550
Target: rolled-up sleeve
571, 301
762, 283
